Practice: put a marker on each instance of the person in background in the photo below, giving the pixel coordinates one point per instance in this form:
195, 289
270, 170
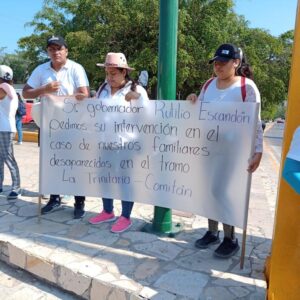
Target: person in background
232, 83
19, 124
118, 85
8, 108
59, 76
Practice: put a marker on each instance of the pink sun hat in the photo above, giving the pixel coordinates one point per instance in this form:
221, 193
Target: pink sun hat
115, 60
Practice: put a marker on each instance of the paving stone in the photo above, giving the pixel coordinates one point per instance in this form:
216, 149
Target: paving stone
87, 268
182, 282
217, 293
146, 269
203, 261
117, 295
4, 208
62, 215
247, 269
257, 296
102, 238
22, 242
10, 218
149, 293
228, 279
7, 282
27, 211
77, 231
16, 284
25, 293
73, 281
84, 248
106, 277
160, 249
24, 202
39, 251
239, 292
17, 256
44, 227
62, 258
98, 288
51, 241
139, 237
128, 285
120, 262
3, 201
122, 243
13, 210
40, 268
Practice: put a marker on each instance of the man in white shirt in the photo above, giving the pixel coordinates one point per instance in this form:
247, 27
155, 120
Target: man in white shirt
59, 76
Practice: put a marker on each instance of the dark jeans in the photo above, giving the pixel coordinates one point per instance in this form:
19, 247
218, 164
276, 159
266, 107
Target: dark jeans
126, 207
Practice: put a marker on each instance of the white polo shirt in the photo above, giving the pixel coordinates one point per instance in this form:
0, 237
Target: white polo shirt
71, 76
121, 93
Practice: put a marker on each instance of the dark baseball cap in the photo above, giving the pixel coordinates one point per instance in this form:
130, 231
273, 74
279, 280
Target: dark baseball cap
225, 52
56, 40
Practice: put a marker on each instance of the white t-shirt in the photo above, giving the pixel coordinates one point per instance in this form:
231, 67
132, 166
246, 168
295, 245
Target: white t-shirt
121, 93
8, 108
294, 151
71, 76
234, 93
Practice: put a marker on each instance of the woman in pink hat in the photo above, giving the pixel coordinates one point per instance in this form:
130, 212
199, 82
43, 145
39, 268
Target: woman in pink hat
118, 85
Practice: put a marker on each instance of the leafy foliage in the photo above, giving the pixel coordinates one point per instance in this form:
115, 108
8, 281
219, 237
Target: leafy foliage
18, 63
94, 27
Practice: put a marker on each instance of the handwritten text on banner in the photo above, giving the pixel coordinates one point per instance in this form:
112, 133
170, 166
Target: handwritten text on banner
175, 154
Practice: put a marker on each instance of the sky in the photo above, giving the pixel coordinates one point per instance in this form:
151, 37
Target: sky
276, 16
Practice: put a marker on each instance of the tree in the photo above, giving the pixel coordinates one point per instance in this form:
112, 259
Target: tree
94, 27
18, 63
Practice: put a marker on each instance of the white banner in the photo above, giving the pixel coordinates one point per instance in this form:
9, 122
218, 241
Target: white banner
175, 154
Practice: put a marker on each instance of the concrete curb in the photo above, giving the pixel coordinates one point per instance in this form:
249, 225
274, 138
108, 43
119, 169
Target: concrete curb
29, 136
63, 276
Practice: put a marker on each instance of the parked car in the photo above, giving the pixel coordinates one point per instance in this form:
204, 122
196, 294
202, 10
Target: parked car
28, 118
279, 120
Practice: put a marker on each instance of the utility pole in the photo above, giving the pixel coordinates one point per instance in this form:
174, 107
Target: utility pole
166, 89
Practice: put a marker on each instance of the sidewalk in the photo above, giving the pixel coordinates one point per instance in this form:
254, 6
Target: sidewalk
96, 264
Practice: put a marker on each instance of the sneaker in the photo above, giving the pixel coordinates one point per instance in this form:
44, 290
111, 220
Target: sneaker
227, 248
208, 239
53, 204
121, 225
102, 218
79, 210
14, 194
18, 143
